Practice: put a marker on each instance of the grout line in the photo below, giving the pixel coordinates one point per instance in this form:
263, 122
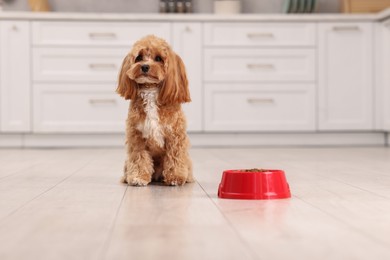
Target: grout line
33, 164
46, 191
357, 187
20, 171
335, 179
107, 241
346, 223
238, 235
361, 232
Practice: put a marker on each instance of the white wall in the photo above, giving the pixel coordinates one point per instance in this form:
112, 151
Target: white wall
147, 6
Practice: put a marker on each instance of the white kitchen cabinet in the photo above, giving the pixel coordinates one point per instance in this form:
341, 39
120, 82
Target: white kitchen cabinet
260, 107
259, 77
259, 34
95, 34
247, 74
384, 75
77, 64
187, 42
15, 89
78, 108
74, 73
259, 64
345, 67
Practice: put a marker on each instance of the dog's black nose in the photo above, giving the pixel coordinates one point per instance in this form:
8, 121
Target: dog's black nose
145, 68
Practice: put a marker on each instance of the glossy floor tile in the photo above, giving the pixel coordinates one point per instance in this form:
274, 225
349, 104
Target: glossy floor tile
69, 204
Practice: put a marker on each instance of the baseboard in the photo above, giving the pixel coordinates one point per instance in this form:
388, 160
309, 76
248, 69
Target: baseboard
75, 140
289, 139
200, 139
11, 140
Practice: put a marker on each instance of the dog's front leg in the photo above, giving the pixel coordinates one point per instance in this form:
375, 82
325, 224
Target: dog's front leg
139, 163
177, 164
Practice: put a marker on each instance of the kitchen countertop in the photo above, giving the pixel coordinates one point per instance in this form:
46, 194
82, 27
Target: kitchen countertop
59, 16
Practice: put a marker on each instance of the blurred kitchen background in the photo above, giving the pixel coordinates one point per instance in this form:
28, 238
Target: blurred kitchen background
152, 6
299, 79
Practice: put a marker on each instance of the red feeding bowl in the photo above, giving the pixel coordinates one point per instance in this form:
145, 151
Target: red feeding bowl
255, 184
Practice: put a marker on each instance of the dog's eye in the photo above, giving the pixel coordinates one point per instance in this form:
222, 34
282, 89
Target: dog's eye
138, 58
158, 59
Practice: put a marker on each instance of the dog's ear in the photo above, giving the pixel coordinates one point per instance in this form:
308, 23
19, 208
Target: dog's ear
127, 88
175, 86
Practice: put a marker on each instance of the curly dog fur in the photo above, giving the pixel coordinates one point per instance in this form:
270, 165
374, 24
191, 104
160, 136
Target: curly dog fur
154, 78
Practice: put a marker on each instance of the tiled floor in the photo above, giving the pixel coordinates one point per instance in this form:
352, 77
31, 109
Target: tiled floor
69, 204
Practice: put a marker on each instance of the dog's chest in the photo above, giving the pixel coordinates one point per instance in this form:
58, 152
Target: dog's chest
151, 127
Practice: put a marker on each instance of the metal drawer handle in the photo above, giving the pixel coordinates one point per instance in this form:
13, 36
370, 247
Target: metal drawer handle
260, 35
97, 35
346, 28
102, 66
260, 66
102, 101
260, 100
188, 29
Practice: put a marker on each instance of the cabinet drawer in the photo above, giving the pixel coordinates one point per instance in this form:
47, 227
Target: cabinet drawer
345, 76
245, 65
78, 109
95, 33
253, 107
259, 34
68, 64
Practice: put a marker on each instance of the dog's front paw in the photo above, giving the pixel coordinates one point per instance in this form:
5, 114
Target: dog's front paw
137, 180
175, 180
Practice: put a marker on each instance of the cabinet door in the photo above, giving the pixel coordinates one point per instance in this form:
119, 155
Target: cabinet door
187, 43
78, 108
385, 68
15, 76
345, 76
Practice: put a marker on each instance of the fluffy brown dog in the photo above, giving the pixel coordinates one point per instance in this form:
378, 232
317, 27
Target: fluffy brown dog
154, 78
